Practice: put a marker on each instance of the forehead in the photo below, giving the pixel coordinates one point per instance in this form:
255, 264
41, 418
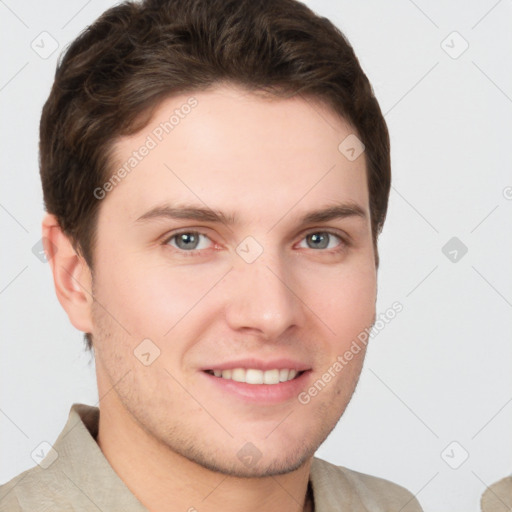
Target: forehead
235, 151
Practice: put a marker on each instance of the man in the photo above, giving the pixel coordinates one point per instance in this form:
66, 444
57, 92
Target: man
216, 174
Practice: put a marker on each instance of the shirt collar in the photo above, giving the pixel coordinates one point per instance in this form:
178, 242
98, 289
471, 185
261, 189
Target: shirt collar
83, 463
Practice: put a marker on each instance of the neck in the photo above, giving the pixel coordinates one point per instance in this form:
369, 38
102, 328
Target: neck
162, 479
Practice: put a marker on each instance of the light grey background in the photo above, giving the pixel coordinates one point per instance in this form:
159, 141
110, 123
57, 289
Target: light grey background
441, 370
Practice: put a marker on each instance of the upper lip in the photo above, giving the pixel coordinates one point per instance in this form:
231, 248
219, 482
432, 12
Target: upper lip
260, 365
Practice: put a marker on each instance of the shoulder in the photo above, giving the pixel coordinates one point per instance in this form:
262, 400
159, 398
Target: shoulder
17, 493
498, 496
40, 489
367, 491
8, 499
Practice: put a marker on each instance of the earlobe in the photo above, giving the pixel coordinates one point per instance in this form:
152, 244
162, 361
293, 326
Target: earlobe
71, 274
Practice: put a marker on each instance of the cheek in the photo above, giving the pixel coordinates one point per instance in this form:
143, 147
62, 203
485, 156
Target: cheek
345, 301
150, 298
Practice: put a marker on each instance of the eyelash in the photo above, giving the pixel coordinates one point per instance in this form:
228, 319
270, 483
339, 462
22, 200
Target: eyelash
344, 242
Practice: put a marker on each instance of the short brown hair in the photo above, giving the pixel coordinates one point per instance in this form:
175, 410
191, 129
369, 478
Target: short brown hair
119, 69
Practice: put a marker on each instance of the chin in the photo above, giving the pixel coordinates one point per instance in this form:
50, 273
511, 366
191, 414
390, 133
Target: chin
259, 468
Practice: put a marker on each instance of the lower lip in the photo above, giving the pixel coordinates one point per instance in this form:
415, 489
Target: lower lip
261, 393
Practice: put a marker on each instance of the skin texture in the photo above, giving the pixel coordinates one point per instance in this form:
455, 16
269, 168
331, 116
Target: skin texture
169, 434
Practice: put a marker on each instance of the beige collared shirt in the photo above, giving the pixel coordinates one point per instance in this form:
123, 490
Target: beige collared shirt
75, 476
498, 496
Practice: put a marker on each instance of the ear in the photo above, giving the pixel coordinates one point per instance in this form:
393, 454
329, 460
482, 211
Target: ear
71, 274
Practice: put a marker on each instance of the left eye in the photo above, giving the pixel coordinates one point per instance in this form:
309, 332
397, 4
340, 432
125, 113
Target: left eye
321, 240
189, 240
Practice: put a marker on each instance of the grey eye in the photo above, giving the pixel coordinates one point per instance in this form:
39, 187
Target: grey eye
320, 240
187, 240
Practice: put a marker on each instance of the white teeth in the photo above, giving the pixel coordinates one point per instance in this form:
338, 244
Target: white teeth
255, 376
238, 374
271, 377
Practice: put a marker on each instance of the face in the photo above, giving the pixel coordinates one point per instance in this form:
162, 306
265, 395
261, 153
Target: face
208, 267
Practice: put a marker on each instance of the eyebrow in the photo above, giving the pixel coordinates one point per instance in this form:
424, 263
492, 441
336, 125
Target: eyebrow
192, 212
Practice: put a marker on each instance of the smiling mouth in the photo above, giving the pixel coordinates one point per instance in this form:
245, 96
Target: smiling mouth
255, 376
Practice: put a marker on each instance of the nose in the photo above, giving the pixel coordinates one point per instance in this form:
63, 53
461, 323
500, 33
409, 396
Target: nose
263, 297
